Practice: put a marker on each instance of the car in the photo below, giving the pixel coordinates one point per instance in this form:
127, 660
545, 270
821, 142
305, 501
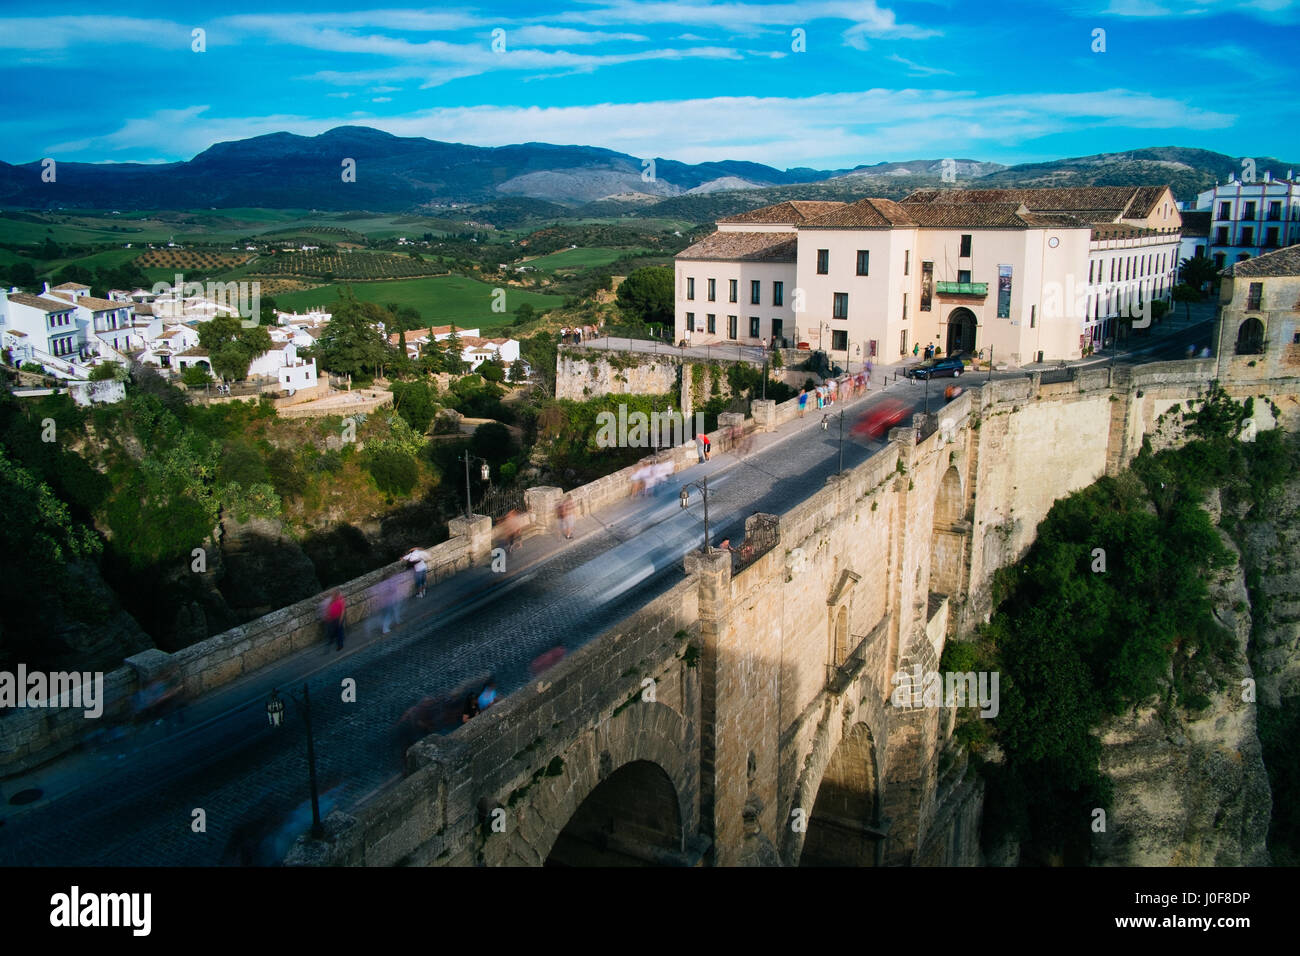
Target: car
936, 367
879, 419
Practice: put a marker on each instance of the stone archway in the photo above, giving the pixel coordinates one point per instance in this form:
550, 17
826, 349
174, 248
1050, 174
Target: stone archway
949, 536
631, 814
1250, 337
844, 826
962, 328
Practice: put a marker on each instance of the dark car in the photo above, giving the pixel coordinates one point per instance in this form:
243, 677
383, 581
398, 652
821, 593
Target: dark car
937, 367
875, 422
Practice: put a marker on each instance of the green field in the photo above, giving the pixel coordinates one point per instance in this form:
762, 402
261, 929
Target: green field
575, 259
440, 300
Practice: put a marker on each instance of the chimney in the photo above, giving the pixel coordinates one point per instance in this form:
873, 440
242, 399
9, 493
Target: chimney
1268, 175
46, 289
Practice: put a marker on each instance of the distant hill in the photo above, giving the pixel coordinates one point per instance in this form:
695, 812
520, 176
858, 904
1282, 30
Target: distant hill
506, 185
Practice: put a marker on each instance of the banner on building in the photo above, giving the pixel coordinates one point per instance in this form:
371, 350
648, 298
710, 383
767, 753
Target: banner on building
1004, 292
927, 284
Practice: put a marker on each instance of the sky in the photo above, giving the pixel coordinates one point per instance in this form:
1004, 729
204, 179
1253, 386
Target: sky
827, 84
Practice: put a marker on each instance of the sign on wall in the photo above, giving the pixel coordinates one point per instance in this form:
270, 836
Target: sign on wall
1004, 292
927, 284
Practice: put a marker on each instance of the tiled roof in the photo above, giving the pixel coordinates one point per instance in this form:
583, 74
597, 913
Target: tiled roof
70, 286
1282, 262
38, 302
1093, 203
863, 214
1196, 222
15, 333
791, 212
1000, 215
94, 304
197, 351
744, 247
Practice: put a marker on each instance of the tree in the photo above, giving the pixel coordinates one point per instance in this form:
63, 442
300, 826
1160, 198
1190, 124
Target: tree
195, 376
414, 402
1196, 271
1186, 294
647, 294
492, 370
351, 343
525, 313
232, 347
107, 372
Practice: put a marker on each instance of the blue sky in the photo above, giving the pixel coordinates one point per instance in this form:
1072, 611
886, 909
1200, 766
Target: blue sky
877, 81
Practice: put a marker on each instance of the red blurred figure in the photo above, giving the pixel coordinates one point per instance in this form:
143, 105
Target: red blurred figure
951, 392
875, 422
546, 661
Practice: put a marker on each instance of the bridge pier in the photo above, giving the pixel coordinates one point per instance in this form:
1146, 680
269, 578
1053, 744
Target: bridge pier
477, 529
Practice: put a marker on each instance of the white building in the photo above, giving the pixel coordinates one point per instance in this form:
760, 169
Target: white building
107, 325
1031, 274
1249, 219
43, 330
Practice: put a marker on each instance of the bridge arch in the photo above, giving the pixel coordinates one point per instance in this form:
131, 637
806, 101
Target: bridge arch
843, 827
624, 796
949, 535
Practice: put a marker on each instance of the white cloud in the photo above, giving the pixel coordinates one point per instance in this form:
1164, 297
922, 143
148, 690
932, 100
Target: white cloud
916, 69
539, 35
382, 99
63, 32
1282, 11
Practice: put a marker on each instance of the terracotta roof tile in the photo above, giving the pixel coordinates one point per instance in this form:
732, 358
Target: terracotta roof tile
39, 302
863, 214
1282, 262
791, 212
744, 247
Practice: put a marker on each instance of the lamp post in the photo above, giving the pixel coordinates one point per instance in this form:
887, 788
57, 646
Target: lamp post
685, 499
275, 715
485, 473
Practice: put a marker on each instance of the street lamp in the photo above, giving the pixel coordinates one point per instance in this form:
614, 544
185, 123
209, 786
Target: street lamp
685, 499
485, 473
275, 715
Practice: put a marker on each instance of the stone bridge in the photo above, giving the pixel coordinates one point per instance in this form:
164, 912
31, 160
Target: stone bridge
746, 715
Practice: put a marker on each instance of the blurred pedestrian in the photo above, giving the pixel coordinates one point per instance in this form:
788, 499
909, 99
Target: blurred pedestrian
415, 558
471, 709
803, 402
546, 661
390, 599
487, 697
334, 613
564, 511
708, 447
662, 472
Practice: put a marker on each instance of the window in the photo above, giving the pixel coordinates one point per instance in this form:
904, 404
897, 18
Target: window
1091, 265
823, 261
755, 292
712, 323
904, 306
1219, 260
731, 326
690, 287
731, 290
965, 246
1254, 294
839, 340
778, 293
864, 261
902, 343
1225, 210
690, 321
1033, 316
1275, 210
1249, 211
1271, 236
1221, 236
907, 260
753, 327
1247, 236
840, 309
713, 289
963, 275
1112, 270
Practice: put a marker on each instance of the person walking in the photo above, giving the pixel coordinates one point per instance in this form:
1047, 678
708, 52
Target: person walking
803, 402
564, 511
699, 446
916, 349
708, 448
488, 696
334, 613
415, 558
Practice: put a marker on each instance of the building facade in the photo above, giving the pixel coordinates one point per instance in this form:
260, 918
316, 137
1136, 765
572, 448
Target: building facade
1248, 219
1259, 312
1022, 275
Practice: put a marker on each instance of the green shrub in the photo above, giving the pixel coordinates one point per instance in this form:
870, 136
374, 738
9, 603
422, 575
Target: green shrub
395, 472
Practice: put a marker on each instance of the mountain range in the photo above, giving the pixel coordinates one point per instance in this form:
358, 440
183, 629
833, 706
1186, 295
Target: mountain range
399, 174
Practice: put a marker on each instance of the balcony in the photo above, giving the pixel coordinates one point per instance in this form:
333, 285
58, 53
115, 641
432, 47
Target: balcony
962, 288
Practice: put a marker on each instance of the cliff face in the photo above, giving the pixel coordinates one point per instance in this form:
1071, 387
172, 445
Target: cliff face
1191, 785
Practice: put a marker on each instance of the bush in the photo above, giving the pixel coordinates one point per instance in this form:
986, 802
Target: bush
107, 372
33, 367
394, 471
196, 376
331, 462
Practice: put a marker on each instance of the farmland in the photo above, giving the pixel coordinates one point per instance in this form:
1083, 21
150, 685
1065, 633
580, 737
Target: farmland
344, 265
191, 260
570, 260
439, 299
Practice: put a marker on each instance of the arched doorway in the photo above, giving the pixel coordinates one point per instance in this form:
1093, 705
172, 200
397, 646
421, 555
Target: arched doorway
961, 332
630, 819
1250, 337
844, 828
